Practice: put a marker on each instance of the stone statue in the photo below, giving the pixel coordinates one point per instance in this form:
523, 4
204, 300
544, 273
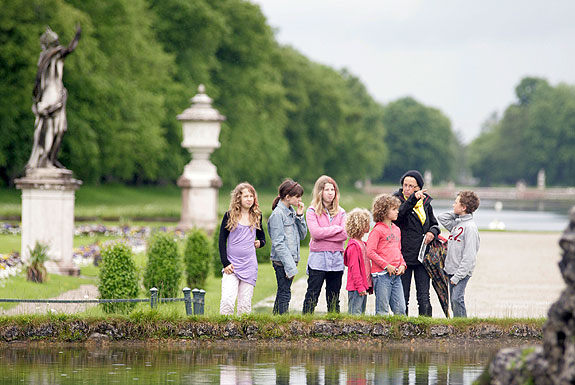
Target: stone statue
50, 101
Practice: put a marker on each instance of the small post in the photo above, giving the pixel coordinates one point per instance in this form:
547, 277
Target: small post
198, 301
201, 296
153, 297
187, 300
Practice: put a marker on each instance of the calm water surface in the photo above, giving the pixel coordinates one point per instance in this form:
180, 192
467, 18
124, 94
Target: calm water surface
246, 363
517, 215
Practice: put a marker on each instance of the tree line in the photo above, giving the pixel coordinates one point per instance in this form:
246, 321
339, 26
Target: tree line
537, 132
138, 64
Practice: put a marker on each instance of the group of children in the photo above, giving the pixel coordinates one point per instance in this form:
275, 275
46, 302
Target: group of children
374, 266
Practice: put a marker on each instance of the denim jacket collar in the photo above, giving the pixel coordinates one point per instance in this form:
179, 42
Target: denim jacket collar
286, 210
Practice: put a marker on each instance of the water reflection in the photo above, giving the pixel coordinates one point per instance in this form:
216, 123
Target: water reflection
304, 363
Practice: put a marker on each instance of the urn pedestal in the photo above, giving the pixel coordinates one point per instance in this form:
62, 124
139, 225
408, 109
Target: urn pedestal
200, 181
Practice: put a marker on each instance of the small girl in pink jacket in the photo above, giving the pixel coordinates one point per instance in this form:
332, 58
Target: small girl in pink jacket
357, 262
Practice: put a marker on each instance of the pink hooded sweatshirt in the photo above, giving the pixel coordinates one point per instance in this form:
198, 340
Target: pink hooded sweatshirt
326, 235
358, 278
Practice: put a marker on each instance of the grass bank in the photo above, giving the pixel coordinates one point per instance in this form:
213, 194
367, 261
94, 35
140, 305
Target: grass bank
151, 325
125, 203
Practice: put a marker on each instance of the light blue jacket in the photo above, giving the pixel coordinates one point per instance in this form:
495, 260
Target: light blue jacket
286, 231
463, 245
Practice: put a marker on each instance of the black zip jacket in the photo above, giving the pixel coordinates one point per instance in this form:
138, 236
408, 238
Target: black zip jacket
412, 231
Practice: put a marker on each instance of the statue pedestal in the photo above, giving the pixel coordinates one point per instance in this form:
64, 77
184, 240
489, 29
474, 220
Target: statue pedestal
48, 216
199, 183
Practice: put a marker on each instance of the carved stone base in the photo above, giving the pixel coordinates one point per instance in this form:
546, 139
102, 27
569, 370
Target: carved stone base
199, 203
48, 196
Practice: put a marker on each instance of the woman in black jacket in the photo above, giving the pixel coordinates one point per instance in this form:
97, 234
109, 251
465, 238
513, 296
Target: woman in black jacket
416, 221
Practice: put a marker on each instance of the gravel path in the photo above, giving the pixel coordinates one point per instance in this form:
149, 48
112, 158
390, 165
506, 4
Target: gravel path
83, 292
516, 276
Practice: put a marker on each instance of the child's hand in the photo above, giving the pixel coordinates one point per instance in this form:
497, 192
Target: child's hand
391, 270
257, 243
229, 269
362, 293
300, 207
400, 270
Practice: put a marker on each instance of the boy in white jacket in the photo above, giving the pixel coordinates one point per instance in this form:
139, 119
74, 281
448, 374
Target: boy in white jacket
462, 247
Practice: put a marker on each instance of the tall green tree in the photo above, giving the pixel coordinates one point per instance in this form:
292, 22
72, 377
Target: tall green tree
418, 137
537, 132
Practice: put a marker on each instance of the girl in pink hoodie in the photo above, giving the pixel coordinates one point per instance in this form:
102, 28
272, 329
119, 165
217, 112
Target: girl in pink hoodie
357, 262
326, 224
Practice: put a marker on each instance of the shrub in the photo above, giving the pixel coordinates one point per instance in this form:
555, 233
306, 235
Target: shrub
118, 278
163, 270
36, 271
197, 256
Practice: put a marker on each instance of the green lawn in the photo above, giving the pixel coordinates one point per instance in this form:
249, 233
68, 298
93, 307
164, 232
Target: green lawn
142, 206
122, 203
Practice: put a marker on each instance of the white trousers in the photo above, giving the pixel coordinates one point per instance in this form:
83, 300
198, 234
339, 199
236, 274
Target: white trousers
232, 288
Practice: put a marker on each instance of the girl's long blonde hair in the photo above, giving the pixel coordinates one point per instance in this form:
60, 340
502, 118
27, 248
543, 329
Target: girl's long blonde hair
317, 201
235, 210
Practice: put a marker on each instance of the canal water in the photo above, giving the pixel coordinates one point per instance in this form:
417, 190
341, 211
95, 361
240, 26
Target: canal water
516, 215
311, 363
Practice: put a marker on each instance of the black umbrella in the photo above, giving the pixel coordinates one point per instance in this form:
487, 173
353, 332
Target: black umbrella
434, 261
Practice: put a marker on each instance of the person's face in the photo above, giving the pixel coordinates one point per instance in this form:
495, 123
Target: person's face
247, 199
458, 208
293, 200
328, 194
393, 213
409, 186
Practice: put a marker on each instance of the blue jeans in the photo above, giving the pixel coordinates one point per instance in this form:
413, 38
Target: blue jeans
356, 303
283, 295
457, 297
388, 293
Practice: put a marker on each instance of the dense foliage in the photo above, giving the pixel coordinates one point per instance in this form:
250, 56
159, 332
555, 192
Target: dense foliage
197, 256
537, 132
118, 278
140, 61
420, 138
164, 267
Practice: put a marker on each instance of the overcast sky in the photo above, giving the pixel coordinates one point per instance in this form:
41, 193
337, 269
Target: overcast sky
463, 57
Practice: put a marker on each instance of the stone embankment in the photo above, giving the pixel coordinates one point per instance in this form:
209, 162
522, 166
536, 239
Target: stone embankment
80, 330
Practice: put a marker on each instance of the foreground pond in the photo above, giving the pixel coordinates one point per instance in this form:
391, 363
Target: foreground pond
306, 362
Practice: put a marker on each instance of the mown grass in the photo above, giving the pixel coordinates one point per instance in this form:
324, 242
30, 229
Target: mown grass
125, 203
19, 288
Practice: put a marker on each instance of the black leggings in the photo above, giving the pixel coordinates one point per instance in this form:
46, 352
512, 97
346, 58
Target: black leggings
332, 287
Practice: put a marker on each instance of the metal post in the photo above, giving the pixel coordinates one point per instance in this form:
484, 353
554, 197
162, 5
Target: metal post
153, 297
187, 300
201, 296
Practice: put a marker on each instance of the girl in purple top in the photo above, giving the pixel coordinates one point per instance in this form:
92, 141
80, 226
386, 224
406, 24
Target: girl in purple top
240, 227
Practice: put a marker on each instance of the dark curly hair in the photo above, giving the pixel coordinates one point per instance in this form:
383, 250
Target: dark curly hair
381, 206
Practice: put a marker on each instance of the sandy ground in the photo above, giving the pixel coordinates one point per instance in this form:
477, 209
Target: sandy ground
516, 276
